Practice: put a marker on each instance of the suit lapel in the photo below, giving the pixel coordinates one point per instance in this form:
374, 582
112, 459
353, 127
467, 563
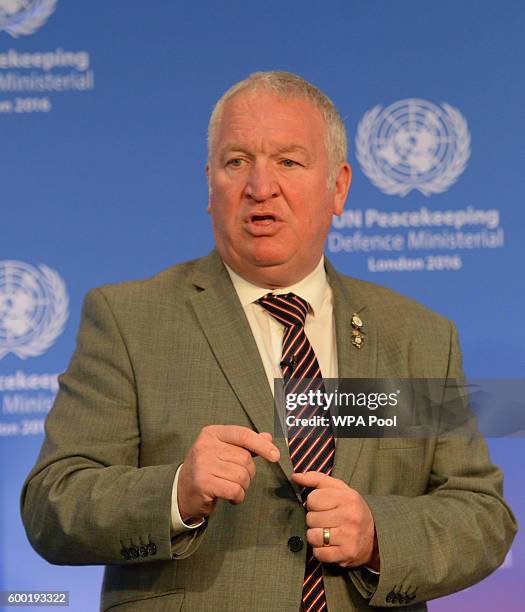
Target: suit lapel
352, 362
228, 332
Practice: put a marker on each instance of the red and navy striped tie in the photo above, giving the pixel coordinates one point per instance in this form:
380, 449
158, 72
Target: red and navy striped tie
311, 449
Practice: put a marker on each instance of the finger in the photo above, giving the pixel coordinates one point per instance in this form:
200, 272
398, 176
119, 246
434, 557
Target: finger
324, 518
237, 455
318, 480
230, 491
320, 500
248, 439
266, 436
315, 537
232, 472
330, 554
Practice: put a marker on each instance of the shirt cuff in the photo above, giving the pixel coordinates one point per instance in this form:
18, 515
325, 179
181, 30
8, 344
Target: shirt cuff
178, 526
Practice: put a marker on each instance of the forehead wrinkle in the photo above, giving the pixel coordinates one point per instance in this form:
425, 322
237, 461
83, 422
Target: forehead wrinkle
294, 148
249, 125
279, 149
269, 148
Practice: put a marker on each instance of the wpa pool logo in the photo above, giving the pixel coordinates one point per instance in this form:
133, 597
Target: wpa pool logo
413, 144
33, 308
24, 16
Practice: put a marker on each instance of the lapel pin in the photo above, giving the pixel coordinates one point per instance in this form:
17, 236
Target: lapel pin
357, 332
356, 321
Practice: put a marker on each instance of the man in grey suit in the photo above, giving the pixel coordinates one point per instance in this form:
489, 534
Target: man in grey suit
158, 459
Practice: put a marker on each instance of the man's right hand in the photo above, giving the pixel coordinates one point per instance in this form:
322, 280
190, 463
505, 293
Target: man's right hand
220, 465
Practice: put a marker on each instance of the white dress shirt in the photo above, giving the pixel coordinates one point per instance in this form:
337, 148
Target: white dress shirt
268, 333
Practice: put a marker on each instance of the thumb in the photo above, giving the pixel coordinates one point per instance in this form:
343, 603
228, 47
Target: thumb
317, 480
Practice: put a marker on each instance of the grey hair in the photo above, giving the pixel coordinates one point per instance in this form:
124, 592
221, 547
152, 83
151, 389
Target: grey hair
289, 85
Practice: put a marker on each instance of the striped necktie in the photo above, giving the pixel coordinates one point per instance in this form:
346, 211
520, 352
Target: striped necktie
312, 449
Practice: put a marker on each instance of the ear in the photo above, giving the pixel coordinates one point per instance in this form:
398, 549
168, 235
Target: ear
342, 185
207, 170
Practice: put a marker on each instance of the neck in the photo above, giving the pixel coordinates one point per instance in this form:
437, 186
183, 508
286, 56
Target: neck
272, 277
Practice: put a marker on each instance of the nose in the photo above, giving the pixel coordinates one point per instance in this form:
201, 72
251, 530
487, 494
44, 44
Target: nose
261, 184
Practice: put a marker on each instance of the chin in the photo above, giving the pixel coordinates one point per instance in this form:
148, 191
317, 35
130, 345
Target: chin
269, 251
266, 258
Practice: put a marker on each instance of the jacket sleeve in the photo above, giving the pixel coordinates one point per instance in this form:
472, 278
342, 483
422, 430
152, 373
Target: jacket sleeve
452, 536
88, 500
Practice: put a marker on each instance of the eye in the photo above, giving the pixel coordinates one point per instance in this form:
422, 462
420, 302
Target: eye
236, 162
289, 163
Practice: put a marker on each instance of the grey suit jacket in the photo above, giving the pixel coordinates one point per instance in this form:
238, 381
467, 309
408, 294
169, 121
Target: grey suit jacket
158, 360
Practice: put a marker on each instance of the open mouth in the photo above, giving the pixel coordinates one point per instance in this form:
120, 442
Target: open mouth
262, 219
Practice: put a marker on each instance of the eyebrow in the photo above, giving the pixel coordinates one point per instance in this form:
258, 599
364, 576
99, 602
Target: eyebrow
293, 148
288, 148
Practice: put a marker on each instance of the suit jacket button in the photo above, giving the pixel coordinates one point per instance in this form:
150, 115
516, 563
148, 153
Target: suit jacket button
143, 550
295, 543
125, 554
152, 548
134, 552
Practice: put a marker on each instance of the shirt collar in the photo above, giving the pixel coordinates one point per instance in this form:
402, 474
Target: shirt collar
312, 288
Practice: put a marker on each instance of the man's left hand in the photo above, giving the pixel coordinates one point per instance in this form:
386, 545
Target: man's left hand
334, 505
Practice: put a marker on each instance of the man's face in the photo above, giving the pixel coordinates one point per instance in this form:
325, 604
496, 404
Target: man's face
270, 202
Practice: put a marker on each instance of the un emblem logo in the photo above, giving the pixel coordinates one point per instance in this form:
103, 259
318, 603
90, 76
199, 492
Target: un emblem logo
413, 144
24, 16
33, 308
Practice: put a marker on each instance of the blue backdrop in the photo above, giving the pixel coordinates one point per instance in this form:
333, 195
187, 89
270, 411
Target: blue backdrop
103, 114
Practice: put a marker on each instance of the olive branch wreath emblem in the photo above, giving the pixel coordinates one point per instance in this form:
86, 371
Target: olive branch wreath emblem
448, 175
54, 322
28, 20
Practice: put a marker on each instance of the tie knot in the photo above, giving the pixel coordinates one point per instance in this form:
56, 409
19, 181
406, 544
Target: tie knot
289, 309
